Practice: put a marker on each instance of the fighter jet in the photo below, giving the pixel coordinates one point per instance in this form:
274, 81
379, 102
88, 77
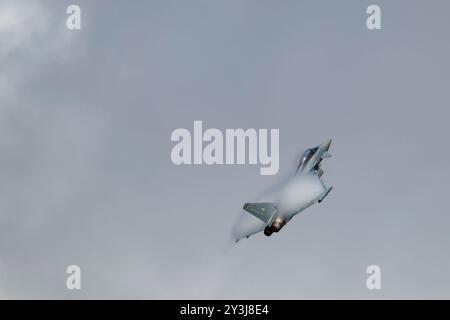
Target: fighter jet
303, 190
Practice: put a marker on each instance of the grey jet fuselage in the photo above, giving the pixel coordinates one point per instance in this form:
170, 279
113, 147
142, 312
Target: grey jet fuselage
302, 191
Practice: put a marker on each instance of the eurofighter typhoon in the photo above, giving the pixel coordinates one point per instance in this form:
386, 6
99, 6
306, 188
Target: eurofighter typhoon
304, 189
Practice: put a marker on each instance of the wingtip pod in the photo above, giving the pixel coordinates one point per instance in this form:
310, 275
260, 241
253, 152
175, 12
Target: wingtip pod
325, 194
239, 239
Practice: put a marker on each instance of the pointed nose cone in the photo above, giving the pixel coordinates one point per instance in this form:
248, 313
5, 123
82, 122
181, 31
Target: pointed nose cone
326, 144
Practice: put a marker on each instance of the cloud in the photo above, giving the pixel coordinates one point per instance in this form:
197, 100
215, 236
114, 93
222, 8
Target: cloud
20, 23
30, 35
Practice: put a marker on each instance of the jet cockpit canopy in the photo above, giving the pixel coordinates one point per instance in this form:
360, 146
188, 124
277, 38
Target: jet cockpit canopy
307, 155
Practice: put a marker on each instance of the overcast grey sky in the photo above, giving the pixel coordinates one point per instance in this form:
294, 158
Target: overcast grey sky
85, 170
